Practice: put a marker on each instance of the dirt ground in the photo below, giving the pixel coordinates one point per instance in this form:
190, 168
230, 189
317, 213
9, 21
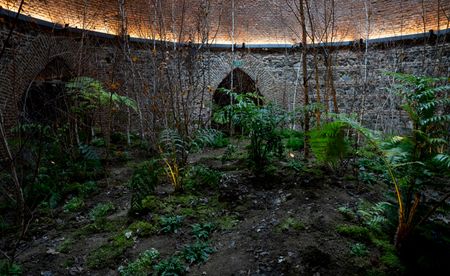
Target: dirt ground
254, 241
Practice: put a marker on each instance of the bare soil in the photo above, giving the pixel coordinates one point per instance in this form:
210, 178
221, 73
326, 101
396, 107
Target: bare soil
255, 244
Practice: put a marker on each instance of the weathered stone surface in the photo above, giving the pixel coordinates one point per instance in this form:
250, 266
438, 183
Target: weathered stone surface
359, 77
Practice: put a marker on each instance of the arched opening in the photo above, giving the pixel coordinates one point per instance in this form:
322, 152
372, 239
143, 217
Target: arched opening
242, 83
44, 101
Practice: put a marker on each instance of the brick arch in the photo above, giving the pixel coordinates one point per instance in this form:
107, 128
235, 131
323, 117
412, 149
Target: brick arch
265, 81
27, 63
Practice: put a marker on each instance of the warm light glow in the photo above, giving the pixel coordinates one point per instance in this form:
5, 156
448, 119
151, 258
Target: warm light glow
103, 18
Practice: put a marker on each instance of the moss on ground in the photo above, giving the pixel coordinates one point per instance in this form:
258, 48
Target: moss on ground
106, 254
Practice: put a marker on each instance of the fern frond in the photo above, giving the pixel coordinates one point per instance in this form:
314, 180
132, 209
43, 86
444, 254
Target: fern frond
172, 143
205, 138
443, 160
436, 120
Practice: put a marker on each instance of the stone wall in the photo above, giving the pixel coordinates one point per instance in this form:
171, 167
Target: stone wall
359, 76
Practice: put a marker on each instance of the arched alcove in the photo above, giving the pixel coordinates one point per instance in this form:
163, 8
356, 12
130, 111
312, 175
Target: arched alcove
239, 82
242, 83
44, 100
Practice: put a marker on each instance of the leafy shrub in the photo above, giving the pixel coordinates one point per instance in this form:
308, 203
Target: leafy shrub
10, 269
328, 143
101, 210
142, 265
174, 150
200, 176
197, 253
229, 154
171, 224
209, 138
152, 203
288, 133
374, 216
74, 204
202, 231
294, 139
359, 250
262, 124
295, 143
143, 182
170, 267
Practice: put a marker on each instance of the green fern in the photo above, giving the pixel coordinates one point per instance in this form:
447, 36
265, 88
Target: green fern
173, 145
92, 94
329, 144
143, 182
208, 138
443, 160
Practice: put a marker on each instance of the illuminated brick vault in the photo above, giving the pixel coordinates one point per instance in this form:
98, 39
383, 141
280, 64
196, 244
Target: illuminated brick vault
356, 70
256, 21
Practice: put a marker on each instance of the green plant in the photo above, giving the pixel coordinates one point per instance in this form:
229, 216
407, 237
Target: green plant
142, 265
174, 150
143, 228
171, 224
355, 232
106, 254
66, 245
359, 250
201, 231
295, 165
200, 176
101, 210
152, 203
172, 266
74, 204
87, 188
197, 253
294, 140
347, 212
6, 268
226, 222
208, 138
290, 224
329, 143
229, 154
295, 143
427, 141
261, 123
374, 216
400, 157
143, 182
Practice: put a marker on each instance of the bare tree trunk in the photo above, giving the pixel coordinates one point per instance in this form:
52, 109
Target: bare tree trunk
305, 74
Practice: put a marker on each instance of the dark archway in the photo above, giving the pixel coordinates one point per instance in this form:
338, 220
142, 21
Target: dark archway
242, 83
45, 100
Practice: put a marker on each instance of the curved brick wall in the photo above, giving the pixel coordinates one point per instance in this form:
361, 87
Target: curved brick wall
274, 71
257, 21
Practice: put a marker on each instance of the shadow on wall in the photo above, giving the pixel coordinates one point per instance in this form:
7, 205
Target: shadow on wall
45, 100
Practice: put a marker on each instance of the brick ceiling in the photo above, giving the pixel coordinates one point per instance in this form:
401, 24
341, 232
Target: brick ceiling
256, 21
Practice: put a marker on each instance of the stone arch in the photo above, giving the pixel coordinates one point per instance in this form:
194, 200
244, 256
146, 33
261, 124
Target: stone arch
29, 60
265, 82
44, 101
